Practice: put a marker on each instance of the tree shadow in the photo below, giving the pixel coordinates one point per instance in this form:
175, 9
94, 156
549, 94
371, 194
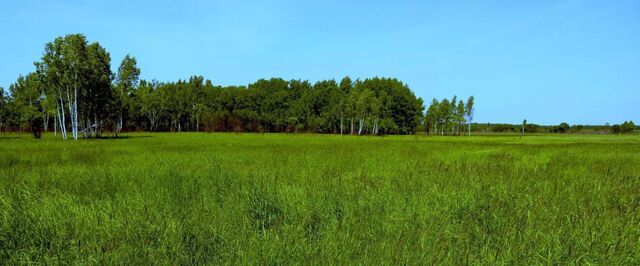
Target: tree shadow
123, 137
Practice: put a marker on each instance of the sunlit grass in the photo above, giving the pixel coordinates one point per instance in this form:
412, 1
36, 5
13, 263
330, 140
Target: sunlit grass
320, 199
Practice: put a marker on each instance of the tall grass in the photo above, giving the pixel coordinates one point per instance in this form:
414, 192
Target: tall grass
316, 199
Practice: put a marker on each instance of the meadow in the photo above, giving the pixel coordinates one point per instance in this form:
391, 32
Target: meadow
223, 198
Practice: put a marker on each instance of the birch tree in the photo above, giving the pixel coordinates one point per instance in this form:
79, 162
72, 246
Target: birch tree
74, 59
126, 83
452, 113
375, 108
469, 108
431, 117
346, 85
51, 70
77, 77
363, 107
460, 118
444, 112
48, 112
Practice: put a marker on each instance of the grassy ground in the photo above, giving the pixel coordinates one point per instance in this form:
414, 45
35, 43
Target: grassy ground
319, 199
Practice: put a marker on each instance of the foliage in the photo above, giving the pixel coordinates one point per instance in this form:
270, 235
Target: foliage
625, 128
76, 90
77, 76
26, 96
449, 114
125, 84
276, 105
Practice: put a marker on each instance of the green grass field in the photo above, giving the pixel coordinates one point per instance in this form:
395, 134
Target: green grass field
194, 198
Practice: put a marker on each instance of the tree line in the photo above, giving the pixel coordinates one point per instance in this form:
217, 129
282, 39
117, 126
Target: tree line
74, 93
449, 116
628, 127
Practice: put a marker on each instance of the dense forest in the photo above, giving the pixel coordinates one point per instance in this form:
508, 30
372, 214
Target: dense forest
73, 91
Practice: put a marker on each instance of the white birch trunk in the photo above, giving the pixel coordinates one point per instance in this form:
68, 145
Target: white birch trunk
46, 121
63, 126
70, 107
152, 119
351, 125
75, 113
375, 127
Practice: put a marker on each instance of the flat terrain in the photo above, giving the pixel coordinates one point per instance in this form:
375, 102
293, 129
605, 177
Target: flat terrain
319, 199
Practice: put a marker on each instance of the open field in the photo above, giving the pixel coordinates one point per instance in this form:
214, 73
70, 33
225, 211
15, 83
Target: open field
320, 199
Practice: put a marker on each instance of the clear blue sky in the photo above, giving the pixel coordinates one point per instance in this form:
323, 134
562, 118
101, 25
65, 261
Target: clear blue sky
547, 61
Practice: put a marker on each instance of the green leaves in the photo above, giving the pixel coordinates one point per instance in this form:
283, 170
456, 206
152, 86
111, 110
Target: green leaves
74, 80
128, 76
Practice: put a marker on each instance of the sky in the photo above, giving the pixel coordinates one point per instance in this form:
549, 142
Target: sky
575, 61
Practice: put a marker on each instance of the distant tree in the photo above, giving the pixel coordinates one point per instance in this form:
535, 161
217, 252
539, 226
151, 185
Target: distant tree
531, 128
176, 99
98, 97
363, 108
626, 128
126, 83
150, 102
630, 127
325, 106
469, 108
375, 108
562, 128
431, 117
444, 114
351, 109
577, 128
616, 129
27, 96
49, 112
199, 104
453, 116
460, 117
